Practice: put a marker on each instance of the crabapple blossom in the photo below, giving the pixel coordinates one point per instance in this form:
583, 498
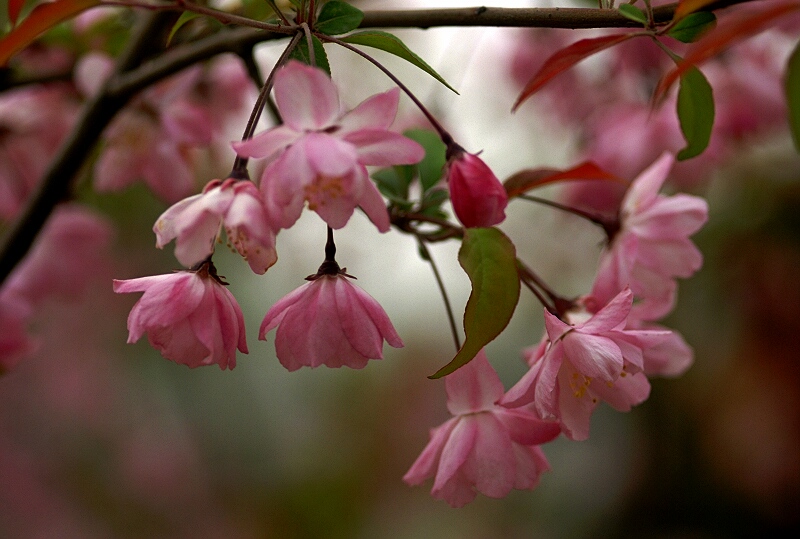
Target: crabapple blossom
194, 223
584, 362
329, 321
478, 197
652, 245
189, 316
484, 447
15, 343
318, 155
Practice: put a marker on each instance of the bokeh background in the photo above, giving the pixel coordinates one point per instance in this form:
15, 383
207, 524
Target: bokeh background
99, 438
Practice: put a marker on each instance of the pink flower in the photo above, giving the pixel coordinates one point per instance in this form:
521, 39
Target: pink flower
195, 222
320, 154
583, 363
329, 321
15, 344
189, 316
485, 447
72, 249
652, 246
478, 197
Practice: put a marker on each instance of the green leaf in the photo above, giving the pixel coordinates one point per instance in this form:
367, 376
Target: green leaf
695, 112
434, 198
185, 17
393, 183
489, 258
633, 13
793, 94
394, 45
431, 168
338, 18
300, 53
693, 27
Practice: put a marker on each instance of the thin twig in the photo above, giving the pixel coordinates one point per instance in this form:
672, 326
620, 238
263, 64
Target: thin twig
440, 283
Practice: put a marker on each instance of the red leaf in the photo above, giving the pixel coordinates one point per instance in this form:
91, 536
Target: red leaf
525, 180
41, 19
737, 27
685, 7
14, 7
566, 58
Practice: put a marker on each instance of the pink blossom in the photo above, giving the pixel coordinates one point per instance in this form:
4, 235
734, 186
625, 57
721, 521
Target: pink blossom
583, 363
652, 246
155, 138
194, 223
329, 321
72, 248
33, 122
478, 197
318, 155
485, 447
189, 316
15, 344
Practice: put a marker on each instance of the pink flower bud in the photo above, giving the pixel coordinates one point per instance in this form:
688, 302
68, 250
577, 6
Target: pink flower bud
189, 316
478, 197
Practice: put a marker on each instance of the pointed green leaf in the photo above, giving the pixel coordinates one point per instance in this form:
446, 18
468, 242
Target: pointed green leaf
693, 27
793, 94
431, 168
489, 258
393, 183
185, 17
338, 18
695, 112
633, 13
300, 53
394, 45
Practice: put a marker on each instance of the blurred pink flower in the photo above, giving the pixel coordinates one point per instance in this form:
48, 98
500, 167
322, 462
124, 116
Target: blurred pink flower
194, 223
652, 246
485, 447
319, 154
15, 344
73, 247
586, 362
189, 316
329, 321
33, 122
156, 137
478, 197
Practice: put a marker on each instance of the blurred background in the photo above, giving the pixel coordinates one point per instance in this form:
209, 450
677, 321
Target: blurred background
99, 438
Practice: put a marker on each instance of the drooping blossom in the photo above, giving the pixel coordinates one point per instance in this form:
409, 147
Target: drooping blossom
319, 155
652, 246
485, 447
328, 321
195, 222
579, 364
478, 197
189, 316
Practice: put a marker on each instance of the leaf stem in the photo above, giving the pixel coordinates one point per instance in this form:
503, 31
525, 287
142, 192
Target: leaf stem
440, 283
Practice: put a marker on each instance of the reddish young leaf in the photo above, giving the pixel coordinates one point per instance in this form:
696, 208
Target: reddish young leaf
566, 58
41, 19
525, 180
14, 7
734, 28
685, 7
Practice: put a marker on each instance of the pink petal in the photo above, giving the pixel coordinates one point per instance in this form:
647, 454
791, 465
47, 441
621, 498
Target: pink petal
673, 217
374, 206
530, 464
670, 258
491, 464
575, 407
475, 387
375, 112
644, 189
306, 98
456, 451
626, 392
426, 464
610, 316
384, 148
267, 143
593, 356
525, 428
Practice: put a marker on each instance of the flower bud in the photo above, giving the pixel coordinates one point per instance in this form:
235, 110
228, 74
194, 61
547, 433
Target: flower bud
478, 197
